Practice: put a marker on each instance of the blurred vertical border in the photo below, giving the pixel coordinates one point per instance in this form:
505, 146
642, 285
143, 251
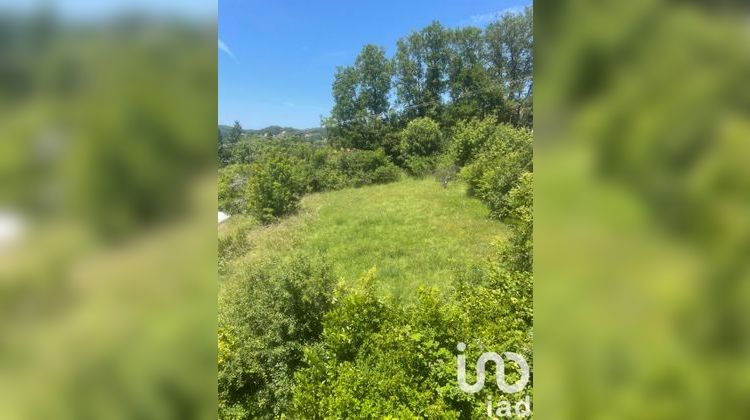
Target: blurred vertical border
642, 209
107, 201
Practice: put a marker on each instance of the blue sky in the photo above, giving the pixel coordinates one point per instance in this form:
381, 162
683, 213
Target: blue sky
88, 9
277, 58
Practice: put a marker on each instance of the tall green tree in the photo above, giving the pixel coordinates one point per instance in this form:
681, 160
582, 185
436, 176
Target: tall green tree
467, 51
421, 64
474, 92
344, 90
361, 102
510, 45
375, 72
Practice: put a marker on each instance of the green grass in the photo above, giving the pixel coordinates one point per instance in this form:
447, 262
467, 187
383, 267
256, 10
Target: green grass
414, 232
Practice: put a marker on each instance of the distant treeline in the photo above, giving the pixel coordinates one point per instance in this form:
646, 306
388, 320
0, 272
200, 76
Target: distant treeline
313, 134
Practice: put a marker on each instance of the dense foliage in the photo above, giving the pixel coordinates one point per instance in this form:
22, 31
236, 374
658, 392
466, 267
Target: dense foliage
232, 185
421, 142
379, 358
264, 324
495, 156
267, 178
275, 187
445, 74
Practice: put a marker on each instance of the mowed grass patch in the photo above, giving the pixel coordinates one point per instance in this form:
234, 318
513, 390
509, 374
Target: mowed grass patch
414, 233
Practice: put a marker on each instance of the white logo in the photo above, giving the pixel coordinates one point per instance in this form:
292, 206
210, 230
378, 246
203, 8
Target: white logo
499, 376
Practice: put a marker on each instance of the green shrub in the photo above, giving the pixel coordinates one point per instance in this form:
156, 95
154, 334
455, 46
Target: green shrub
266, 319
420, 166
421, 137
283, 170
385, 174
470, 138
379, 358
323, 174
498, 166
373, 362
519, 256
365, 167
275, 187
232, 186
328, 178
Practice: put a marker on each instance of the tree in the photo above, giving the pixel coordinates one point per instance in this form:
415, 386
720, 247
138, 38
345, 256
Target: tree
467, 51
510, 43
374, 71
360, 94
436, 64
473, 91
421, 138
235, 134
275, 187
421, 71
344, 97
502, 159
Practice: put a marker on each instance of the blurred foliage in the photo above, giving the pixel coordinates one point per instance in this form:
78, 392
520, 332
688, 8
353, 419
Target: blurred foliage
642, 205
106, 156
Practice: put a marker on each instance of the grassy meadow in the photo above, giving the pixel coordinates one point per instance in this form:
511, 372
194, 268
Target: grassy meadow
414, 232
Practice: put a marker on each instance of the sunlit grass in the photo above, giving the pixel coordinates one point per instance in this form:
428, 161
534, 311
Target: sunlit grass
414, 232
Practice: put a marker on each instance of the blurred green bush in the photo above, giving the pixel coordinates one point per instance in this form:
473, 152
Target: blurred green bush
107, 157
641, 204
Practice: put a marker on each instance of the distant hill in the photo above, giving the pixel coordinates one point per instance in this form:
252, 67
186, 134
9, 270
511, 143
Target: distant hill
274, 131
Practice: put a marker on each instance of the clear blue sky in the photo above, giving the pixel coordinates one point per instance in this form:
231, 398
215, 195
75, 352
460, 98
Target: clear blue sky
277, 58
205, 10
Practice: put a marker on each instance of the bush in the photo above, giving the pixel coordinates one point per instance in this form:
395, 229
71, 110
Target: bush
519, 256
421, 137
323, 174
373, 362
266, 318
378, 358
275, 187
232, 186
365, 167
420, 166
470, 138
385, 174
282, 171
233, 243
498, 166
